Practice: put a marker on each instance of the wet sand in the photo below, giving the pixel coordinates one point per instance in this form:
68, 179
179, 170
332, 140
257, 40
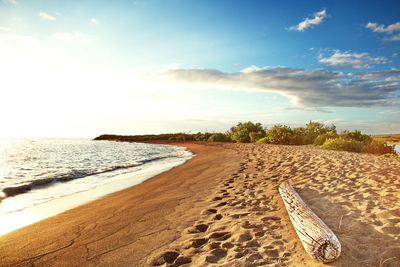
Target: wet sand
222, 208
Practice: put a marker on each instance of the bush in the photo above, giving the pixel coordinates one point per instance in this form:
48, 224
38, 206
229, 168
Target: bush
280, 134
264, 140
202, 136
314, 129
255, 136
322, 137
356, 135
219, 137
380, 148
241, 135
242, 131
298, 136
184, 137
343, 144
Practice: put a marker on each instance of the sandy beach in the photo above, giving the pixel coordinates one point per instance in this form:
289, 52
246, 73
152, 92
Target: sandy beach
222, 208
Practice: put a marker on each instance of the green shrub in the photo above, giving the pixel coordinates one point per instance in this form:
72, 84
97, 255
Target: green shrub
202, 136
242, 131
264, 140
356, 135
322, 137
219, 137
343, 144
314, 129
254, 136
280, 134
241, 135
380, 148
298, 136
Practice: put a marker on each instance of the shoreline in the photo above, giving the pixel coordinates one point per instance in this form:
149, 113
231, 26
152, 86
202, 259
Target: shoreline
61, 224
222, 208
27, 215
56, 197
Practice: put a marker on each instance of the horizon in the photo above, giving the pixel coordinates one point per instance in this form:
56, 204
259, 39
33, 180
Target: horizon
79, 70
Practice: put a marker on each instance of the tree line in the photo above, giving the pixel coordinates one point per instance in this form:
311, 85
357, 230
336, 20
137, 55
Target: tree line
314, 133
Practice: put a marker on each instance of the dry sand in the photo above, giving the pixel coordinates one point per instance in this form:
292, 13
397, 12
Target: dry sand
222, 208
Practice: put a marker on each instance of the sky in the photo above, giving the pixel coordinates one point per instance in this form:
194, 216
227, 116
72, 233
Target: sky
84, 68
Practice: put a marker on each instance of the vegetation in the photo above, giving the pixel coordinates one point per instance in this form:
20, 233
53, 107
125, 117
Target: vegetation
314, 133
202, 136
343, 144
219, 137
247, 132
320, 140
280, 134
379, 148
388, 138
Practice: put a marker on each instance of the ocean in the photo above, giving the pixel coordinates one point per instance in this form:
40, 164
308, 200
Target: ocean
38, 172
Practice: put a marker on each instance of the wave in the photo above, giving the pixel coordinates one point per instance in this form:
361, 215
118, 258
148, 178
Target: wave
75, 174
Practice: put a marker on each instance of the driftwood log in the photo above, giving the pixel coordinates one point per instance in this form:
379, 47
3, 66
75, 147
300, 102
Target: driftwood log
317, 239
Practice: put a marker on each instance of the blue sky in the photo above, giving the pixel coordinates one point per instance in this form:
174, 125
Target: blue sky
82, 68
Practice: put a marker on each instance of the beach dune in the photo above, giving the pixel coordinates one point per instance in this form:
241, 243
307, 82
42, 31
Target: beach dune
223, 208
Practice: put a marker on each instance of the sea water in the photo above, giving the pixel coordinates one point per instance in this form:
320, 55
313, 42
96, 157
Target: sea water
58, 174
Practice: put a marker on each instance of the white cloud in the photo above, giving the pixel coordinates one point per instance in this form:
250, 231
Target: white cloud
311, 88
46, 16
389, 75
375, 27
308, 109
13, 2
390, 29
94, 21
306, 23
395, 37
73, 37
390, 112
355, 60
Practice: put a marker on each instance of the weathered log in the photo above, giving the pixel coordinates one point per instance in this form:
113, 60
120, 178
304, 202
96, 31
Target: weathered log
317, 239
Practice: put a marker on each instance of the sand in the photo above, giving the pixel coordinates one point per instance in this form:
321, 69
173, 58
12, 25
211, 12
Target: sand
222, 208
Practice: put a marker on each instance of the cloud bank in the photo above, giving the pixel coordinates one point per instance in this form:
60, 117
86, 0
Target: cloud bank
306, 23
310, 88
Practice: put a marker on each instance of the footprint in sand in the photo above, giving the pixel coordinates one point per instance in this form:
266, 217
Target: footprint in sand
239, 215
199, 242
216, 255
221, 204
220, 236
168, 257
200, 228
217, 217
209, 211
